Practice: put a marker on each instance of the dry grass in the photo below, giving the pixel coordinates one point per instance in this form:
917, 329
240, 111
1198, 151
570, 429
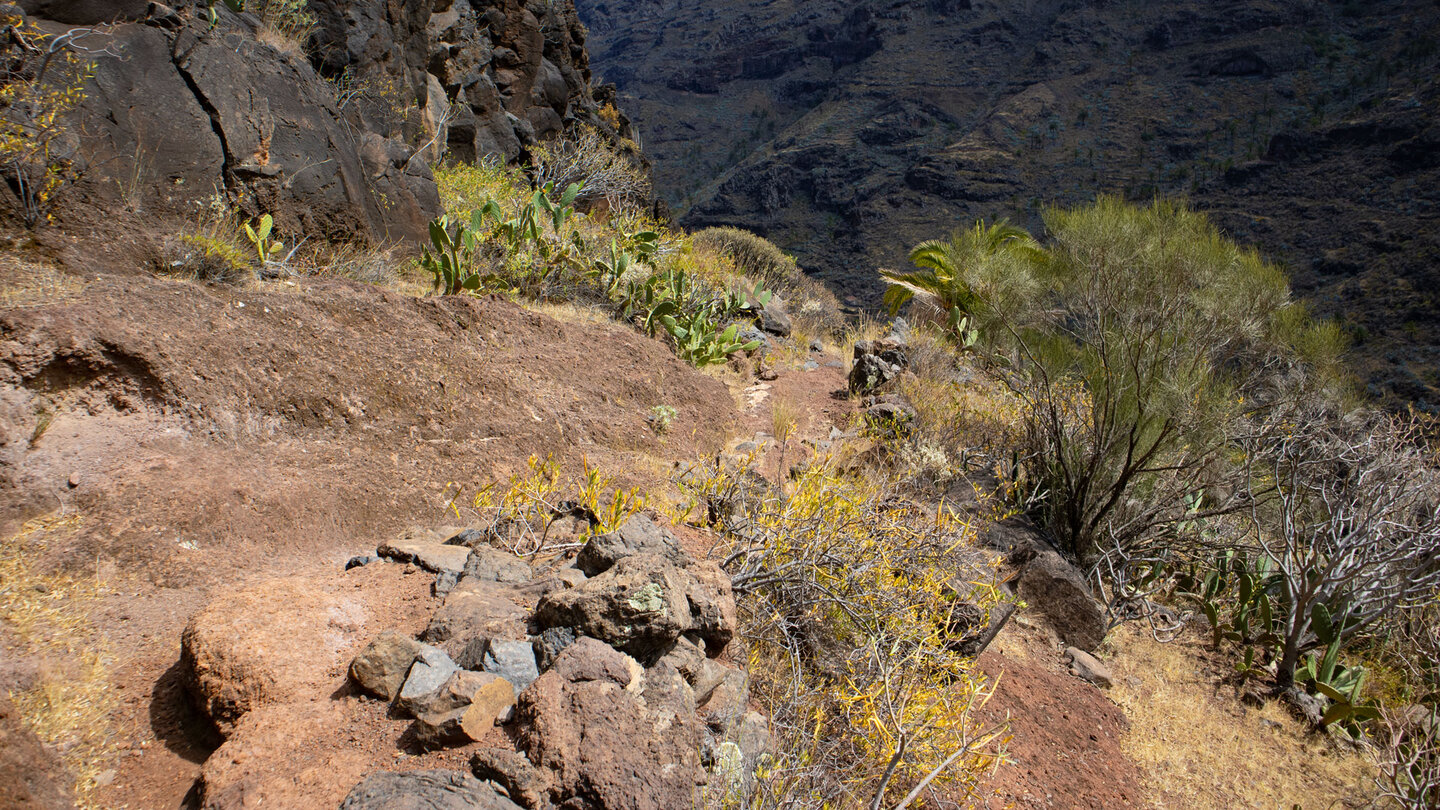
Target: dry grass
71, 704
1199, 747
24, 283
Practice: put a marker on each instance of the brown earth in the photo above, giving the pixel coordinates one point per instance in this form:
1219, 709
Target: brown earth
209, 447
215, 436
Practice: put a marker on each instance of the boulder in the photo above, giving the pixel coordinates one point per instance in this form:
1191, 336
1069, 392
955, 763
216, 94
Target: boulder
487, 564
599, 742
513, 773
428, 675
639, 606
476, 610
463, 709
381, 667
727, 702
1050, 584
1055, 588
638, 535
425, 790
774, 319
429, 554
712, 605
31, 776
266, 644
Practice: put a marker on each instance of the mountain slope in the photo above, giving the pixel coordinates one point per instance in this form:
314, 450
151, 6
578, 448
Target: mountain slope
847, 132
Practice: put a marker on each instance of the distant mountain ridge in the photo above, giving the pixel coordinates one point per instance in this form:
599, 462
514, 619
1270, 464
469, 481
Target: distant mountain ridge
848, 132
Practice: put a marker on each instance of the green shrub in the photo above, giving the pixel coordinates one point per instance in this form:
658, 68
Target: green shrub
757, 258
206, 258
1150, 337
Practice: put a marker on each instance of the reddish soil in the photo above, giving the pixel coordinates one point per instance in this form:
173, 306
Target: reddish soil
214, 437
217, 436
1065, 751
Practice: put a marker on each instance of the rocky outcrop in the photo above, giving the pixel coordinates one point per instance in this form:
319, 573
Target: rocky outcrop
333, 135
849, 132
611, 692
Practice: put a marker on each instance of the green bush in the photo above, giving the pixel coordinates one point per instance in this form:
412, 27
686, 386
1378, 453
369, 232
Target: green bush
1149, 339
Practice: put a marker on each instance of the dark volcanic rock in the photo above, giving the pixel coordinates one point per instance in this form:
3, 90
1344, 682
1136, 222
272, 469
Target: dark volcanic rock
993, 111
425, 790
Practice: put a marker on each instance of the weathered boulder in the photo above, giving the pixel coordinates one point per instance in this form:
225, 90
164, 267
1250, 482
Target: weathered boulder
266, 644
512, 772
638, 535
877, 363
463, 709
381, 667
476, 610
31, 776
488, 564
1054, 587
774, 319
712, 605
425, 790
639, 606
426, 552
1050, 584
585, 724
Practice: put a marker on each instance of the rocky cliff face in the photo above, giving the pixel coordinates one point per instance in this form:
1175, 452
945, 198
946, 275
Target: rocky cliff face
848, 132
329, 129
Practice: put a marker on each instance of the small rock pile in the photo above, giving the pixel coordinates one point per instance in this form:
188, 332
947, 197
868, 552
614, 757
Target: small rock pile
604, 676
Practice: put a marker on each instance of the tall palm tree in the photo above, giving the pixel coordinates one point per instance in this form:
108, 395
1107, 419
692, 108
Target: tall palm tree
969, 275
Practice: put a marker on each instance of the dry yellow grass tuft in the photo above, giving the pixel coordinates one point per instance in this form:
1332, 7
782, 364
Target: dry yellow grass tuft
1201, 748
24, 283
71, 703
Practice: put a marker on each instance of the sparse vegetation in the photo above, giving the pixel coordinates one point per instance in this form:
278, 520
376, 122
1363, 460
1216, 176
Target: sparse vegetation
42, 82
850, 606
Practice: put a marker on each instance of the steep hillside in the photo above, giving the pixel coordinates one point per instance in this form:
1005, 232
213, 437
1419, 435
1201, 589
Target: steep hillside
847, 132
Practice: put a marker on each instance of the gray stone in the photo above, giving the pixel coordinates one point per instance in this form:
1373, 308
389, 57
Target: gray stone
1086, 666
381, 667
360, 560
638, 535
429, 673
425, 790
512, 660
488, 564
445, 582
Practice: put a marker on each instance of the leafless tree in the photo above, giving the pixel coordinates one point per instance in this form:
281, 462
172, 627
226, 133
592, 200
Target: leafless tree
586, 156
1353, 525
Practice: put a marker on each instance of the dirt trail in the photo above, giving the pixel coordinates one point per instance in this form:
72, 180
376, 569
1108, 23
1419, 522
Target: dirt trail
229, 437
